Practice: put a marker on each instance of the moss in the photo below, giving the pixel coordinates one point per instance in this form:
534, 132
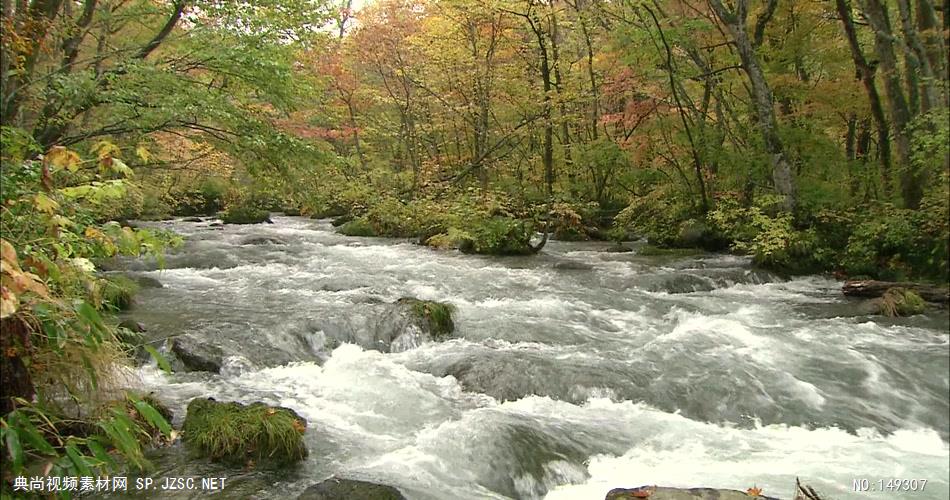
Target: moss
436, 315
357, 227
232, 432
901, 302
118, 292
245, 215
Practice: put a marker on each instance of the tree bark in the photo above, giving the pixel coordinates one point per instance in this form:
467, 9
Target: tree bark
911, 181
865, 73
782, 175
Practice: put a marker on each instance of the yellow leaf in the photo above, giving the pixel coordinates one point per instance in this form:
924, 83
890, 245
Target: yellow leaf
60, 157
104, 149
44, 203
8, 302
119, 167
754, 491
142, 152
8, 253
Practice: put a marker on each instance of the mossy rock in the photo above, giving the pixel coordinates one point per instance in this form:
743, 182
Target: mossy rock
900, 302
245, 215
339, 221
437, 316
357, 227
118, 292
244, 434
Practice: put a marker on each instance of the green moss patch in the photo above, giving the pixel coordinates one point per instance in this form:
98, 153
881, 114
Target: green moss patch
233, 432
245, 215
437, 316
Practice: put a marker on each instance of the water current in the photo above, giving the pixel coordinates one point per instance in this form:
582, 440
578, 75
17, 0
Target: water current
570, 372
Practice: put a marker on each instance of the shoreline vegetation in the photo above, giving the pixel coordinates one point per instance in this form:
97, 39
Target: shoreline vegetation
814, 138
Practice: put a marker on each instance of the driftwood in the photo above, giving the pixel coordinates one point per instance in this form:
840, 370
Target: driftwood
873, 288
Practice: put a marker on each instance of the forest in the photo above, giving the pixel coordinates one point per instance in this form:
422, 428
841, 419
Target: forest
811, 135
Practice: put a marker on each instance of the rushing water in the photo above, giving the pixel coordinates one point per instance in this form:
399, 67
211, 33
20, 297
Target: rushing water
563, 381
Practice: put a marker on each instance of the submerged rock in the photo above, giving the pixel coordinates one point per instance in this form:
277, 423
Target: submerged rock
350, 489
196, 355
663, 493
254, 434
192, 219
573, 265
263, 240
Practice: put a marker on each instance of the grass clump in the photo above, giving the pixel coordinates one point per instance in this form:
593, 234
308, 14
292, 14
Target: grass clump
437, 316
901, 302
233, 432
118, 292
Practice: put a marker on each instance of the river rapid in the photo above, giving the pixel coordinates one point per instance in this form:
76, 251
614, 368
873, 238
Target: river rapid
570, 372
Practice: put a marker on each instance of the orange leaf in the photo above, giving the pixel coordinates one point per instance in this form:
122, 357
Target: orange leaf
753, 491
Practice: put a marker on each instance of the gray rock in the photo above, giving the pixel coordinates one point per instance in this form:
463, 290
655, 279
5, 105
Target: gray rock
618, 248
663, 493
573, 265
147, 282
192, 219
350, 489
197, 356
263, 240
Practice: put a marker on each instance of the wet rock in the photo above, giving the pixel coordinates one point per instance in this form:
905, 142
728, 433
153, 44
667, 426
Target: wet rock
409, 323
684, 283
216, 224
339, 221
350, 489
192, 219
618, 248
663, 493
263, 240
197, 356
132, 326
254, 434
246, 215
147, 282
573, 265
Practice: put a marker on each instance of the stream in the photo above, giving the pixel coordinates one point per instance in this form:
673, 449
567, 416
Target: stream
570, 372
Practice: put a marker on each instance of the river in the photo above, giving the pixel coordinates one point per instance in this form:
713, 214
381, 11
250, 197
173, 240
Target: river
570, 373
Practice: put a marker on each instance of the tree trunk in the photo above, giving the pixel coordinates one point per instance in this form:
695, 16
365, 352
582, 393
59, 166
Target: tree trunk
782, 175
865, 73
911, 182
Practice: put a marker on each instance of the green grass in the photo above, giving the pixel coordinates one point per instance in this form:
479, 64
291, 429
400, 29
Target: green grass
118, 292
233, 432
901, 302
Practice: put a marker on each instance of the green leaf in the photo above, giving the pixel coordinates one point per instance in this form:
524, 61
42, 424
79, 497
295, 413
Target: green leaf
100, 453
22, 423
78, 459
14, 448
119, 167
153, 417
162, 362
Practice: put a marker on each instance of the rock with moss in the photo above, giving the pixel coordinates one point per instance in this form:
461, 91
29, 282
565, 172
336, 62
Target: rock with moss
246, 215
357, 227
350, 489
435, 317
254, 434
900, 302
664, 493
118, 292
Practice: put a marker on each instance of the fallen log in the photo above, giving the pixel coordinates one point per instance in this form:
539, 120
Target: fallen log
874, 288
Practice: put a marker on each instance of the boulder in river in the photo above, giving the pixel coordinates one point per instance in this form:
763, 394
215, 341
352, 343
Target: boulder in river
350, 489
573, 265
245, 215
196, 355
409, 323
899, 302
254, 434
663, 493
263, 240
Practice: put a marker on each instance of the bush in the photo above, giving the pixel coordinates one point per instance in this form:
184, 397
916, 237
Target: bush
357, 227
233, 432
